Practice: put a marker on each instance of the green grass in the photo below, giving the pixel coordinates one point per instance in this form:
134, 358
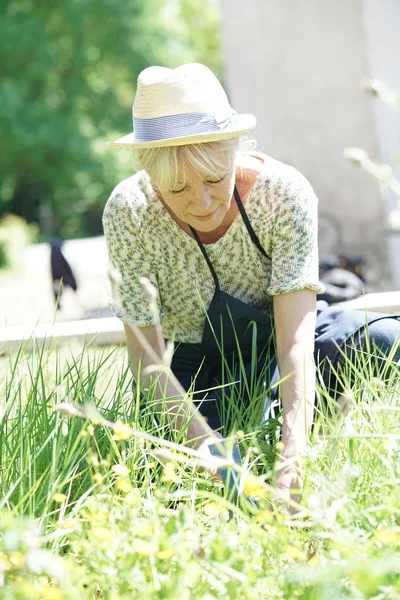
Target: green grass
86, 515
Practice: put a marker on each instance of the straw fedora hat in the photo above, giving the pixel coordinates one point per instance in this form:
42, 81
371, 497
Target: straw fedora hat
186, 105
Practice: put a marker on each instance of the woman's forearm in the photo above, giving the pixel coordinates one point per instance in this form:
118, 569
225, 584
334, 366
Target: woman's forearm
170, 397
297, 368
178, 407
295, 317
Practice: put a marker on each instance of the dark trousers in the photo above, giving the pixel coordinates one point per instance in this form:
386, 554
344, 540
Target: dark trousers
235, 387
367, 351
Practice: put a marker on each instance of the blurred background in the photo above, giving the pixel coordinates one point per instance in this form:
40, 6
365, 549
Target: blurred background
68, 72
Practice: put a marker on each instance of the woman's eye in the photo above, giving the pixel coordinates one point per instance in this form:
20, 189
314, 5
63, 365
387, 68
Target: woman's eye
216, 182
178, 191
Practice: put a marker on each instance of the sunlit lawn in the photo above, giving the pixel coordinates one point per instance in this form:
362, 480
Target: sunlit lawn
90, 511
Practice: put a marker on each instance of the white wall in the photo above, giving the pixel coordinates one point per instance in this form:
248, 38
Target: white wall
382, 33
297, 66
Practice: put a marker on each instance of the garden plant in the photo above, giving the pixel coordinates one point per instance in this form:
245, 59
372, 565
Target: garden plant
98, 502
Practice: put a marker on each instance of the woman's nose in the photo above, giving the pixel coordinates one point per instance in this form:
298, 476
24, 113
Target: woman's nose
204, 199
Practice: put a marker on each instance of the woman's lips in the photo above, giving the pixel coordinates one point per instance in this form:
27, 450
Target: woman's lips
204, 217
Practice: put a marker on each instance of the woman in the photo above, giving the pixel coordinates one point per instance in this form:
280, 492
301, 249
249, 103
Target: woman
229, 239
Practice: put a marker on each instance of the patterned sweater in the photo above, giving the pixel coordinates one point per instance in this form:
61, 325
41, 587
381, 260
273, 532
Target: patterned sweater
144, 241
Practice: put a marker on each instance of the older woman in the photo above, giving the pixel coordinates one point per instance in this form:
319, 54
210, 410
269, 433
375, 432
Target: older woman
229, 239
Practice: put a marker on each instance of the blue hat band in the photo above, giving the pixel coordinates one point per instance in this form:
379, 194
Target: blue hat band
178, 126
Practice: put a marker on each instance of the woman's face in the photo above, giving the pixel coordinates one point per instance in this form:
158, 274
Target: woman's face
204, 200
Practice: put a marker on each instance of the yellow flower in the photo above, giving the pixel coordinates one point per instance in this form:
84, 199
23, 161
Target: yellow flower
170, 474
100, 515
122, 432
314, 561
152, 464
123, 485
121, 470
49, 592
165, 554
144, 548
5, 564
385, 536
102, 533
253, 487
68, 565
264, 516
98, 478
271, 528
59, 497
213, 509
94, 460
178, 456
68, 523
294, 552
144, 529
17, 559
132, 499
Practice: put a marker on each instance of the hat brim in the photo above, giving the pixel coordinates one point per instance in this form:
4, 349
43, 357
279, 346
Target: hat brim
243, 124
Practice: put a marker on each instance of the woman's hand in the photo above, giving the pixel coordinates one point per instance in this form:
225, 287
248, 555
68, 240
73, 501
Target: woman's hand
289, 482
204, 449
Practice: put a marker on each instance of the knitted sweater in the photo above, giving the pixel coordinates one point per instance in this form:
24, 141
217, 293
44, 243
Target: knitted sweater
144, 241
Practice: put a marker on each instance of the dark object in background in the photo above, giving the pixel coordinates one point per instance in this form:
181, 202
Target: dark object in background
355, 264
61, 272
343, 278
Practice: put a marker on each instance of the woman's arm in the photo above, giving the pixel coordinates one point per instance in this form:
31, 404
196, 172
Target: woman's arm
180, 410
295, 314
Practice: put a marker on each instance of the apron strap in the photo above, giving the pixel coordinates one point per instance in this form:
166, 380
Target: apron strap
209, 263
249, 228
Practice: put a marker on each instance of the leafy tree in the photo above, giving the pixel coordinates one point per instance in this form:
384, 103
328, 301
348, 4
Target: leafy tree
68, 72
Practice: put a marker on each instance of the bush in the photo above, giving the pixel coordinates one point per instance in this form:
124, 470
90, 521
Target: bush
15, 234
3, 255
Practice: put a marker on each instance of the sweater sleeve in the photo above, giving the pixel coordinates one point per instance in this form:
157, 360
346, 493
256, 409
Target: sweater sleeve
294, 243
130, 261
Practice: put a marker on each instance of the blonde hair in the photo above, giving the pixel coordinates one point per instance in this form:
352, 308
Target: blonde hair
168, 165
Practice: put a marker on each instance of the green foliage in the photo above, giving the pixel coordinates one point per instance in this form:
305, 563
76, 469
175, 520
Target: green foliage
15, 234
67, 83
89, 512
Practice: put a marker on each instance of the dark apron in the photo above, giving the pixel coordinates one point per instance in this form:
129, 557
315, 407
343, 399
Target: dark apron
238, 344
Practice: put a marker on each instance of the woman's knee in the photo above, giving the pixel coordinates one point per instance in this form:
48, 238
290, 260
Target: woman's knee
382, 338
377, 348
373, 350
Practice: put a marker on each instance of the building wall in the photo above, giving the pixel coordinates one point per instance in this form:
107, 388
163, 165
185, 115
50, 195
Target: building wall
382, 27
297, 66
